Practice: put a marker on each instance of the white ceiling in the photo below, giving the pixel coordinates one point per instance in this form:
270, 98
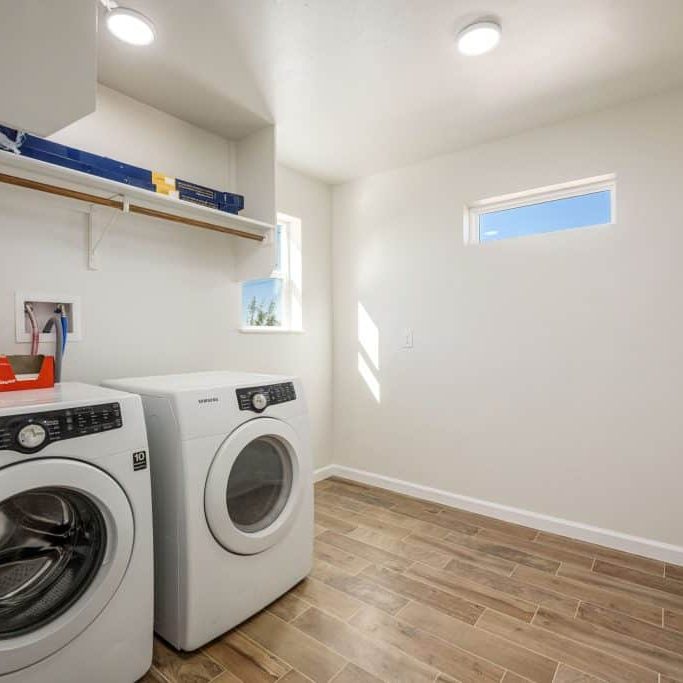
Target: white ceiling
359, 86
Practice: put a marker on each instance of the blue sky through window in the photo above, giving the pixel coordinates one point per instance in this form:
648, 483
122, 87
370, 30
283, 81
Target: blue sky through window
594, 208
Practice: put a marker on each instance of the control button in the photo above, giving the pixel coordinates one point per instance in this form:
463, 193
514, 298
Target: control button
31, 436
259, 401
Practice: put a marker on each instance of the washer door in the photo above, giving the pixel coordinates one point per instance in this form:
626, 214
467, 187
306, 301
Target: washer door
66, 536
253, 489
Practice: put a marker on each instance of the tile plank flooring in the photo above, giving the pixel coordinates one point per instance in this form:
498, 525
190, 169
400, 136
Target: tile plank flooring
404, 590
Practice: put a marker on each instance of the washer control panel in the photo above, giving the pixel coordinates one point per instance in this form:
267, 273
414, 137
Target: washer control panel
257, 399
31, 432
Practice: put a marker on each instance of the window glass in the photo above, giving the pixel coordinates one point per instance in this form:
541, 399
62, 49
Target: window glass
276, 301
52, 541
262, 302
594, 208
279, 263
259, 484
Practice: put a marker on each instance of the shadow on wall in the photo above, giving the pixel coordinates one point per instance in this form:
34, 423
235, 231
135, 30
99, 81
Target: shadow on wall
368, 354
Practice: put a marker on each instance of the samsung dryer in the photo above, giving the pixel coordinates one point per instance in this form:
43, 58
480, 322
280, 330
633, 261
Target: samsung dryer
233, 497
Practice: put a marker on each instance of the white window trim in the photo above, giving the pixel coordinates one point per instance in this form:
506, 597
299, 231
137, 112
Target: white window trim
265, 329
286, 273
574, 188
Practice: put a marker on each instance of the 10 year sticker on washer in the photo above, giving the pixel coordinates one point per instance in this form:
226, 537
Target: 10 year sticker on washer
140, 460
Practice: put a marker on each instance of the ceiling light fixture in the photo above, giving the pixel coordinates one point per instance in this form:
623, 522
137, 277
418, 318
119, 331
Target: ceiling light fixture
128, 25
479, 38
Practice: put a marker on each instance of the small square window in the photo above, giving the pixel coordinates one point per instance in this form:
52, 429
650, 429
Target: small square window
580, 204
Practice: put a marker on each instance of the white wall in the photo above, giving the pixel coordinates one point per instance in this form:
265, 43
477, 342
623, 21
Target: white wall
547, 371
127, 130
164, 300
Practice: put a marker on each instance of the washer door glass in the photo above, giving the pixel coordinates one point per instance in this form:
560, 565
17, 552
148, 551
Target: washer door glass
52, 541
259, 484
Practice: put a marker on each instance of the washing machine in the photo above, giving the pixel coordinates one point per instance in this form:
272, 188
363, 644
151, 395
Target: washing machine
76, 561
232, 488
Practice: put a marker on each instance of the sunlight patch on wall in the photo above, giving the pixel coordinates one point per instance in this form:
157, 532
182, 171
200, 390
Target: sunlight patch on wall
369, 377
368, 338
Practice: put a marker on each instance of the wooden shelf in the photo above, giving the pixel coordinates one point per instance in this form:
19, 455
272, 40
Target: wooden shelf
82, 187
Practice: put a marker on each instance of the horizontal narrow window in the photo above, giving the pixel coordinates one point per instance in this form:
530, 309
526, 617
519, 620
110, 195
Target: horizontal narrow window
579, 204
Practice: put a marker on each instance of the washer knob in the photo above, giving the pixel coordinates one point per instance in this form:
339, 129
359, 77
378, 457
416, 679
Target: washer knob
259, 401
31, 436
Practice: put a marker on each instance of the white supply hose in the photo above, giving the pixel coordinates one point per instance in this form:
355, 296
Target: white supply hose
35, 333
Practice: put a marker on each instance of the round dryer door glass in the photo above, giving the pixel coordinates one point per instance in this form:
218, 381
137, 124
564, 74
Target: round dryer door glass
259, 484
52, 541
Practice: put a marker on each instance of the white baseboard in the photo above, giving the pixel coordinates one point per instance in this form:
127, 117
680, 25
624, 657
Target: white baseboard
637, 545
326, 472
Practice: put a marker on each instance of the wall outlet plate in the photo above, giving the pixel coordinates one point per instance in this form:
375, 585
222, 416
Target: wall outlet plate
44, 305
407, 338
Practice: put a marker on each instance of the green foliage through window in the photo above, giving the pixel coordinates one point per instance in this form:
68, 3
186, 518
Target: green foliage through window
260, 314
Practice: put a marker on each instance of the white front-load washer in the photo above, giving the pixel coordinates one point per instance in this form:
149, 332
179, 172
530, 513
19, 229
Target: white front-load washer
233, 497
76, 572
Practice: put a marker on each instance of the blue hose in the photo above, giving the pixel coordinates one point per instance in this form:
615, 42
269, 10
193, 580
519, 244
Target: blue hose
65, 329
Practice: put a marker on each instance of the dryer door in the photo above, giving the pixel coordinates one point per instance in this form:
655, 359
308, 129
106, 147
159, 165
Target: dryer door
253, 490
66, 537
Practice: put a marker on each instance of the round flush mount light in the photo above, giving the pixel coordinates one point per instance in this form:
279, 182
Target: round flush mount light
479, 38
130, 26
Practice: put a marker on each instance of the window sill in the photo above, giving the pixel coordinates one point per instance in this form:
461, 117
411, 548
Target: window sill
269, 330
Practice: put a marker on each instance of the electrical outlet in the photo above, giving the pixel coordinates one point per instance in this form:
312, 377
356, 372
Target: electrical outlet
407, 338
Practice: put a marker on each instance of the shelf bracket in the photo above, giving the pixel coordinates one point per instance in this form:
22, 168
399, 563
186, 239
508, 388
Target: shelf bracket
269, 237
95, 240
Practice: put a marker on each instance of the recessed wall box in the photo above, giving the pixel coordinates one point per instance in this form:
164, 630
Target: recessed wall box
44, 306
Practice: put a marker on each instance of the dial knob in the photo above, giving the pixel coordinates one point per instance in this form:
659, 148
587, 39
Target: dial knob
259, 401
31, 436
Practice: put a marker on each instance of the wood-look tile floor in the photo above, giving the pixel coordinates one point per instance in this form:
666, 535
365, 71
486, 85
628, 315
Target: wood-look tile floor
407, 590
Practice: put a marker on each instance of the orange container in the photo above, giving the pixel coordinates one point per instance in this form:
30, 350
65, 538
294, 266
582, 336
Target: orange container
44, 380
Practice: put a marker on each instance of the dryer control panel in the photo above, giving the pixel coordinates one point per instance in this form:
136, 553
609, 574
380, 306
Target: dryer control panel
31, 432
257, 399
